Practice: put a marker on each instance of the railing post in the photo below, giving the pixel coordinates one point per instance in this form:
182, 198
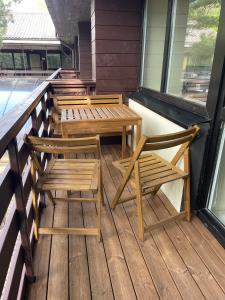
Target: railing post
44, 118
34, 122
21, 208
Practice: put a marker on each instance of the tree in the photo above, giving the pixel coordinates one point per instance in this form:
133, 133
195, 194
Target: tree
204, 18
5, 15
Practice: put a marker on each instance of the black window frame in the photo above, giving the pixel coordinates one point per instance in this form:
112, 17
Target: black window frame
207, 110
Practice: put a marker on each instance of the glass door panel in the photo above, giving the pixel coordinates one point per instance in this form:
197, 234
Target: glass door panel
216, 202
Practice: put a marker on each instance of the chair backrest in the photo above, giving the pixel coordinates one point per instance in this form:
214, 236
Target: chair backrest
64, 102
63, 146
157, 142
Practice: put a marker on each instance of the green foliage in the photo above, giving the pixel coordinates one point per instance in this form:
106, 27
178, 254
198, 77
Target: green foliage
204, 15
5, 15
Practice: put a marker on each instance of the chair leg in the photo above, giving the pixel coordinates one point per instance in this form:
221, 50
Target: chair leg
187, 200
124, 144
99, 204
187, 197
132, 141
139, 202
101, 188
36, 213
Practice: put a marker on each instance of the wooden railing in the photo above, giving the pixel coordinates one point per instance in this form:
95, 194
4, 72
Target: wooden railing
16, 214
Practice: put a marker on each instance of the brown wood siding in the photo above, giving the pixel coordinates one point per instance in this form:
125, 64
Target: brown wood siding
115, 35
84, 38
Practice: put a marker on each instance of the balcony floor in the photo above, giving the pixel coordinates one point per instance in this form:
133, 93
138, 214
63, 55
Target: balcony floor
182, 260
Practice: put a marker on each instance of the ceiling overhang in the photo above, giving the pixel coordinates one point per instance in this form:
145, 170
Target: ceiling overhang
66, 15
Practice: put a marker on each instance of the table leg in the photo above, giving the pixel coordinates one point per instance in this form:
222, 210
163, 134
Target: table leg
132, 140
124, 144
138, 131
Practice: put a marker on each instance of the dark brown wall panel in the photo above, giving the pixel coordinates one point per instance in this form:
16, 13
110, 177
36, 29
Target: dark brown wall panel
117, 5
117, 73
115, 18
117, 47
115, 36
117, 33
119, 60
124, 85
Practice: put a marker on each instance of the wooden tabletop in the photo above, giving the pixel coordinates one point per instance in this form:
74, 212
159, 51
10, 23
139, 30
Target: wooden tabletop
99, 113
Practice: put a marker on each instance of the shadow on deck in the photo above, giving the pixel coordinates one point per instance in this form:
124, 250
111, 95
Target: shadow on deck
181, 260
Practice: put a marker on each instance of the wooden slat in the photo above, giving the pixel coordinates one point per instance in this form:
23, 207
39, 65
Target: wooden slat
9, 235
16, 275
6, 191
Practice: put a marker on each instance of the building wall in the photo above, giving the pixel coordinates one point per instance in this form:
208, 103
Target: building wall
84, 43
115, 33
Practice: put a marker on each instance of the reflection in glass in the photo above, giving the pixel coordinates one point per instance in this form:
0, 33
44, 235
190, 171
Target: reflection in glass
6, 61
193, 45
54, 61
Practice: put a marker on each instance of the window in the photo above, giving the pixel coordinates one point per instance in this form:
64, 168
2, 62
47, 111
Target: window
20, 61
193, 46
6, 61
192, 33
53, 60
154, 38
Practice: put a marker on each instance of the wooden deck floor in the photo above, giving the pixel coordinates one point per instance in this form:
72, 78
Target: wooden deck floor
182, 260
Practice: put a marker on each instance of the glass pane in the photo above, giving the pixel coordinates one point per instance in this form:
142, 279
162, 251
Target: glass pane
6, 61
53, 61
154, 38
216, 199
35, 60
193, 45
20, 61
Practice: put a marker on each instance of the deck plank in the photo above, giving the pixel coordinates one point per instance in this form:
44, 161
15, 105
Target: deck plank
101, 287
79, 283
58, 269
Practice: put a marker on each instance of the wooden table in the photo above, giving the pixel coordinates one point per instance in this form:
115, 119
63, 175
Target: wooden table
93, 118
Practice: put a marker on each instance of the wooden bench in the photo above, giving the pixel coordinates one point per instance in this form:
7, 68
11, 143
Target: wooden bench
73, 87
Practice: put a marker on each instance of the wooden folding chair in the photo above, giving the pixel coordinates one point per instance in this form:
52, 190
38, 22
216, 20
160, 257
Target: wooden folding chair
148, 172
66, 175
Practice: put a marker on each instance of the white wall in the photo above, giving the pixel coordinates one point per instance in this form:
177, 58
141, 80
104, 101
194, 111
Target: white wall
152, 124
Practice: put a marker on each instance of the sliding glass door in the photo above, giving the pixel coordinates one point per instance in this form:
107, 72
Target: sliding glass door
216, 200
